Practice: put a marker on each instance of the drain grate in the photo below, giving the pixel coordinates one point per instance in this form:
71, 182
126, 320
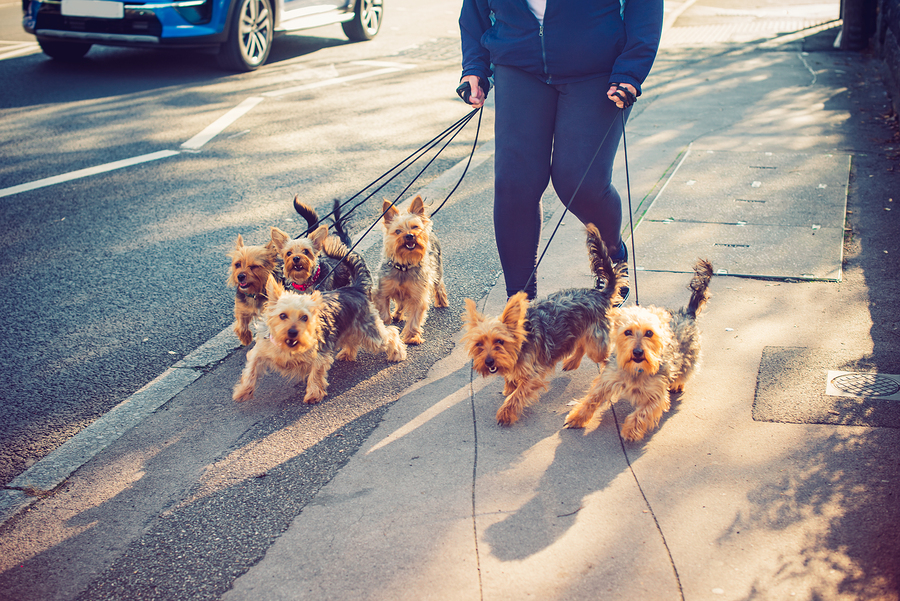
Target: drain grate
863, 385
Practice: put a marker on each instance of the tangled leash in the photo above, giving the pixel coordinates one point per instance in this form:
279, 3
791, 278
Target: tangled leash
449, 134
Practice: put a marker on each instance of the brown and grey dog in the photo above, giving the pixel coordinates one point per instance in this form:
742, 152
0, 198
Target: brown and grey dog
655, 352
526, 341
318, 261
248, 273
412, 271
303, 333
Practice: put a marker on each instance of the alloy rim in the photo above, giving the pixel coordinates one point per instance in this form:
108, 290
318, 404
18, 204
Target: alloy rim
255, 31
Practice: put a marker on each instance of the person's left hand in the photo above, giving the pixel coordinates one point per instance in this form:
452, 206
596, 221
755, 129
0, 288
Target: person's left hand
616, 96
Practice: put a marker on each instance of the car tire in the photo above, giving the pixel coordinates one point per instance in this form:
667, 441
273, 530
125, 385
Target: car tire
250, 35
366, 22
64, 51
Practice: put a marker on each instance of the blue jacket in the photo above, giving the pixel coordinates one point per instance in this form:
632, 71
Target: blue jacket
579, 39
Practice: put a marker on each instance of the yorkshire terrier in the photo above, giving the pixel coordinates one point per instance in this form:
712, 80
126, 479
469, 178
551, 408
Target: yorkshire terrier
525, 342
305, 330
412, 272
655, 352
317, 261
250, 269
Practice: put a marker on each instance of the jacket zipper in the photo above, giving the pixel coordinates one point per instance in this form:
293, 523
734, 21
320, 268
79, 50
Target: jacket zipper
544, 52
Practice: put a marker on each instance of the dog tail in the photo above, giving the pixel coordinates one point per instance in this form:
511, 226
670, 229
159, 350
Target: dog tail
339, 225
359, 272
699, 287
601, 264
307, 212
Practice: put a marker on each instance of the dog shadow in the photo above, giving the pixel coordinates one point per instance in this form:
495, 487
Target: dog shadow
558, 470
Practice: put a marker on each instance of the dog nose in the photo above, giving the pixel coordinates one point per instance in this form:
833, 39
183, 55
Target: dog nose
296, 260
410, 237
292, 333
241, 277
638, 353
489, 361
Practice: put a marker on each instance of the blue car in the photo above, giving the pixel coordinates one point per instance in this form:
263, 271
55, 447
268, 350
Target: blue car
241, 30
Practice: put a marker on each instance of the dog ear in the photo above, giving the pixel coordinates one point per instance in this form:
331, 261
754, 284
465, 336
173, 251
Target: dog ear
389, 210
239, 243
417, 206
318, 237
279, 238
472, 317
274, 290
513, 316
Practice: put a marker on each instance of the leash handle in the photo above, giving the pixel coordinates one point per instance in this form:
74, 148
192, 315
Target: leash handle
624, 94
464, 90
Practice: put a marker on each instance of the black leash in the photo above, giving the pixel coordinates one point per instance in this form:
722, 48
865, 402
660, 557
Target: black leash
628, 100
455, 129
402, 166
630, 214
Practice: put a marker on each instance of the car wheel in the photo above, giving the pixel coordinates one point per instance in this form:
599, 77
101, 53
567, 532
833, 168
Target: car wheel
366, 22
249, 36
64, 51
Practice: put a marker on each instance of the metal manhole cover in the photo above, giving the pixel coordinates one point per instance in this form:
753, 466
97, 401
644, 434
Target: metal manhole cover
862, 384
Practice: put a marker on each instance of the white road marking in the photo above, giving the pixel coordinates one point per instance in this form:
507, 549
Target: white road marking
217, 127
18, 49
67, 177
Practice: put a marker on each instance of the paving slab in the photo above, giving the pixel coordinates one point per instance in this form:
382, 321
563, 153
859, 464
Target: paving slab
764, 214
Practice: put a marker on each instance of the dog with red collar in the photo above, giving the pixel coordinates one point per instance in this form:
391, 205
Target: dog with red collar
318, 261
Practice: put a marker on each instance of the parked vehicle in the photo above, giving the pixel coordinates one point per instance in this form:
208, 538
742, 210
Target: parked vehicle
241, 30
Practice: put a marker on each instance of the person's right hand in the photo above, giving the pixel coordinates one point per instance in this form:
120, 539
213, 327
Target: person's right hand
477, 97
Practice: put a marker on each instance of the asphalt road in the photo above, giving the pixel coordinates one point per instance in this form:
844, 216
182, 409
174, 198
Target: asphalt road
113, 277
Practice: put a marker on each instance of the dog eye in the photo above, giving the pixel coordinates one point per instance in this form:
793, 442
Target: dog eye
237, 265
307, 252
288, 254
283, 316
649, 334
398, 231
304, 318
628, 332
498, 343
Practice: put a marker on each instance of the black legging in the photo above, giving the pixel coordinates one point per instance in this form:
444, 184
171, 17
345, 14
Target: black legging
546, 131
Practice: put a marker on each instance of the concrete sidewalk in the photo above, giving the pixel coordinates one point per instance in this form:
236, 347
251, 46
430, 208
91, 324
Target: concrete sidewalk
757, 485
442, 503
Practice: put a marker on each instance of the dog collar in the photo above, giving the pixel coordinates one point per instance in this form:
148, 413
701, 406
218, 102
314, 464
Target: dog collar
399, 266
310, 282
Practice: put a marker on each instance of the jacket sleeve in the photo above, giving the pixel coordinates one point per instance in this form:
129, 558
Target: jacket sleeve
474, 21
643, 28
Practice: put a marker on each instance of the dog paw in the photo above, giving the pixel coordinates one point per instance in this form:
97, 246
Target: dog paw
632, 433
506, 416
575, 420
245, 336
571, 363
242, 394
346, 355
313, 397
413, 339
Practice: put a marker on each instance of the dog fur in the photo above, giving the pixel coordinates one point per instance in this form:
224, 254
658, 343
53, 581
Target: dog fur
412, 271
526, 341
655, 352
304, 331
